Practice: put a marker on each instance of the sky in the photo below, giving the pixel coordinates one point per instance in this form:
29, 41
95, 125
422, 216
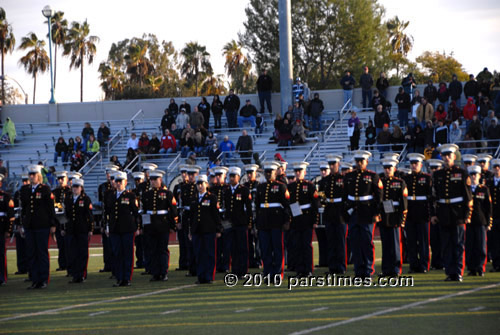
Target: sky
466, 28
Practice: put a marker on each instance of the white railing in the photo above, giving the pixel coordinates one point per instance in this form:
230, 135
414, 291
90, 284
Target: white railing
132, 122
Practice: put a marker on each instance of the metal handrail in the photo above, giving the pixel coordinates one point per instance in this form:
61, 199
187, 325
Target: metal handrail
131, 122
97, 156
133, 163
110, 144
497, 153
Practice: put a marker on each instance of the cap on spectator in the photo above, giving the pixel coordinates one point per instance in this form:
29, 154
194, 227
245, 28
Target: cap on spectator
120, 175
435, 163
324, 166
484, 158
332, 158
149, 166
415, 157
220, 170
474, 169
183, 109
468, 158
247, 100
389, 162
138, 175
234, 170
362, 154
448, 148
61, 174
251, 167
156, 174
297, 166
201, 178
77, 182
271, 166
74, 175
277, 157
35, 168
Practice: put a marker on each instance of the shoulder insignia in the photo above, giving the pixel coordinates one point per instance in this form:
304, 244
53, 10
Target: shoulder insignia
136, 202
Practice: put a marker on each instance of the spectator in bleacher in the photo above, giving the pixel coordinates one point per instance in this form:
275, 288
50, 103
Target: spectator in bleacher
370, 134
441, 134
79, 145
51, 180
495, 89
227, 148
316, 108
285, 134
467, 147
196, 119
404, 104
428, 134
3, 169
397, 138
60, 150
297, 112
199, 142
86, 132
384, 139
484, 79
204, 108
484, 107
377, 99
366, 83
417, 98
173, 107
154, 145
476, 130
182, 119
244, 146
487, 120
354, 131
382, 86
247, 114
471, 88
71, 148
430, 93
187, 144
493, 133
259, 124
455, 132
380, 118
103, 134
409, 139
440, 113
454, 112
298, 133
133, 142
131, 155
114, 160
214, 153
419, 139
443, 95
469, 111
186, 106
264, 87
425, 112
144, 143
278, 122
217, 108
409, 83
168, 143
455, 89
289, 113
77, 160
231, 106
210, 140
176, 132
186, 130
191, 160
9, 129
166, 120
347, 82
92, 146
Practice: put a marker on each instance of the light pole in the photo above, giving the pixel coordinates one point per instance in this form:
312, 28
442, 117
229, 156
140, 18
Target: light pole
48, 13
25, 94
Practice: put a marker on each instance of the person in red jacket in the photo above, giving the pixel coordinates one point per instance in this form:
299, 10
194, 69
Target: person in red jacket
469, 111
168, 143
440, 113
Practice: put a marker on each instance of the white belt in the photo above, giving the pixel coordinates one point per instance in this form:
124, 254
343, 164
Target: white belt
270, 205
395, 203
451, 201
160, 212
186, 208
417, 197
3, 214
363, 198
306, 206
332, 200
221, 210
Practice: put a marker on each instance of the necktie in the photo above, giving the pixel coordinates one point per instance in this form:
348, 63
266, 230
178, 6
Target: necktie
201, 197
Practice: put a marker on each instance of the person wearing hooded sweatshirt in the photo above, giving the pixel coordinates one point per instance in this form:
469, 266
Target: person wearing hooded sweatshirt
9, 128
443, 95
454, 111
455, 132
455, 89
469, 111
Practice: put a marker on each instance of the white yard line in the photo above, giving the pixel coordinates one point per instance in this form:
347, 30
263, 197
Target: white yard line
319, 309
393, 309
171, 312
99, 313
244, 310
476, 309
50, 311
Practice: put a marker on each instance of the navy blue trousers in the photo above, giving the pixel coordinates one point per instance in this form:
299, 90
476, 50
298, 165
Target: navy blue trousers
453, 248
3, 260
304, 263
322, 246
78, 252
475, 248
227, 242
253, 250
159, 254
107, 253
337, 253
204, 246
290, 243
363, 249
391, 250
495, 243
271, 246
139, 251
435, 242
147, 250
37, 242
239, 250
21, 257
123, 255
62, 258
417, 235
182, 236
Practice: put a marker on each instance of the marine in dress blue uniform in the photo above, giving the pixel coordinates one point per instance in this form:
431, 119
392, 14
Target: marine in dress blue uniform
434, 232
103, 190
140, 258
60, 194
494, 186
6, 225
254, 259
453, 208
419, 212
224, 243
182, 235
188, 195
21, 257
363, 193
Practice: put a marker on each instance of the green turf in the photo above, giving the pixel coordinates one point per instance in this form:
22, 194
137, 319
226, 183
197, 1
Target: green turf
243, 310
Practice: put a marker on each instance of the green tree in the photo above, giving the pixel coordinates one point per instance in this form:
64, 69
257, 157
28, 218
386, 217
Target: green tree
196, 64
138, 64
213, 85
59, 27
441, 66
112, 80
401, 43
36, 60
80, 47
7, 44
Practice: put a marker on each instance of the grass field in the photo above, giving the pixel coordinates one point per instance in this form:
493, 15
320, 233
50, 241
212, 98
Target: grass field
180, 307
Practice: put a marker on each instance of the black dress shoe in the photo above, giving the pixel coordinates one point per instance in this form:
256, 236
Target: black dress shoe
76, 281
471, 273
20, 273
2, 283
104, 270
155, 278
164, 278
125, 283
42, 285
33, 286
480, 273
60, 269
449, 278
118, 283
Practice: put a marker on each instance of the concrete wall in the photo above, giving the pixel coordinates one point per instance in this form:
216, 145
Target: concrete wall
153, 108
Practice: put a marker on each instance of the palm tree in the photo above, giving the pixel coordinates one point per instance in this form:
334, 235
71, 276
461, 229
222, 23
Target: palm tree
236, 61
59, 27
138, 64
7, 43
213, 85
155, 82
80, 46
36, 60
401, 42
196, 62
112, 79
